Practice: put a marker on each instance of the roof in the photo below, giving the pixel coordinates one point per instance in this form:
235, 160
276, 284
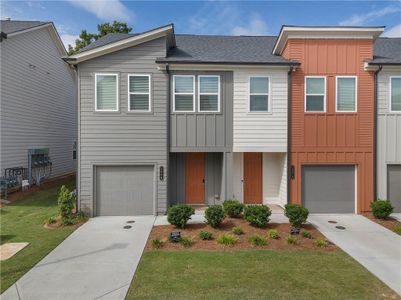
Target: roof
387, 51
105, 40
11, 26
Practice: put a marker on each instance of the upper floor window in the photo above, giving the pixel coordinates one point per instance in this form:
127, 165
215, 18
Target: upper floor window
395, 94
315, 94
106, 92
346, 94
259, 94
184, 93
139, 93
209, 93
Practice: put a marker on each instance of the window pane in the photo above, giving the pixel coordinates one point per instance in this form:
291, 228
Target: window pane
396, 94
259, 85
139, 102
208, 103
315, 85
184, 84
314, 103
106, 92
346, 94
209, 84
258, 103
184, 103
139, 84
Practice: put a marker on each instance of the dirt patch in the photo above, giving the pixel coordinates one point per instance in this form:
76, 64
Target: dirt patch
389, 223
192, 230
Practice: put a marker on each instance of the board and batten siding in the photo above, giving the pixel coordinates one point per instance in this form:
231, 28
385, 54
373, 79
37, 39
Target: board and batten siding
388, 130
38, 102
260, 132
123, 137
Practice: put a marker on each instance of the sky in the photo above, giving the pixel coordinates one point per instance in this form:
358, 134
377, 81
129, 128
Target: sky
205, 17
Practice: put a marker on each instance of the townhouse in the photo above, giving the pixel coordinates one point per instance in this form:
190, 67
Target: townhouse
166, 118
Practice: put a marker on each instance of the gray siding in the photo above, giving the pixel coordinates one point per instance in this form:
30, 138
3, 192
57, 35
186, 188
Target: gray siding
123, 138
38, 102
204, 132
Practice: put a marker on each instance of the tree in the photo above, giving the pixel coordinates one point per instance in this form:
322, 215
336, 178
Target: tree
86, 38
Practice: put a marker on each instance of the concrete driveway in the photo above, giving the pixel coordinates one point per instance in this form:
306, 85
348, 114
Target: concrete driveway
97, 261
375, 247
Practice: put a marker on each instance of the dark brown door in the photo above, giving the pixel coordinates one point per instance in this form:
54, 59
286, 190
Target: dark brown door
195, 178
253, 178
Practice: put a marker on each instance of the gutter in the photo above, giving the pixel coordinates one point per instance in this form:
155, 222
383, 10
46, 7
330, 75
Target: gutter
375, 133
3, 36
289, 95
197, 62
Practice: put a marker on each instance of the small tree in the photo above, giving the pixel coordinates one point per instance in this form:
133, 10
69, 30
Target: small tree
65, 205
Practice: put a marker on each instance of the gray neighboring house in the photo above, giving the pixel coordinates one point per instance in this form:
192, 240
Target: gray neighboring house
38, 97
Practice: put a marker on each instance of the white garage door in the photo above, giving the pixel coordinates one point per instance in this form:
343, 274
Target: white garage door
124, 190
394, 186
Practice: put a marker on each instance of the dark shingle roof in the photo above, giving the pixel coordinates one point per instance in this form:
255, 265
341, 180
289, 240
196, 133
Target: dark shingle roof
11, 26
107, 39
387, 51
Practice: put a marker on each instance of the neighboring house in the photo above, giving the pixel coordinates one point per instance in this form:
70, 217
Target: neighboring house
38, 99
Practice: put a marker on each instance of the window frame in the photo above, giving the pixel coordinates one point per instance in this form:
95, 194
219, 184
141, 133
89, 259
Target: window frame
117, 92
136, 93
390, 96
193, 94
268, 94
356, 94
324, 95
218, 94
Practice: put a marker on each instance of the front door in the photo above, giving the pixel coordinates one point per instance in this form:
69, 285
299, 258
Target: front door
195, 178
253, 178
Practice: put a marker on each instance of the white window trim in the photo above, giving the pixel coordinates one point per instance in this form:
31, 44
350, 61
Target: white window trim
259, 94
117, 91
218, 94
356, 94
193, 94
324, 95
137, 93
390, 99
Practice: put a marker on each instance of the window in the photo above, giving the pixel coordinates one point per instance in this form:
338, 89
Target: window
258, 94
139, 93
184, 93
209, 93
346, 94
315, 94
395, 91
74, 150
106, 96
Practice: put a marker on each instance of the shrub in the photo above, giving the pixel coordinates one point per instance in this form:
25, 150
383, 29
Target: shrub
297, 214
381, 209
214, 215
178, 215
257, 240
257, 215
81, 217
157, 243
397, 230
233, 208
66, 203
237, 230
205, 235
291, 240
306, 234
273, 234
227, 240
186, 241
52, 220
320, 243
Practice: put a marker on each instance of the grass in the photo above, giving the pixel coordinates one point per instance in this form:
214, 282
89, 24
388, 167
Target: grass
254, 275
22, 221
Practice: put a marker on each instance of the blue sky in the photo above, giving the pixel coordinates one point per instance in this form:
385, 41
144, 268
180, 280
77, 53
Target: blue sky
206, 17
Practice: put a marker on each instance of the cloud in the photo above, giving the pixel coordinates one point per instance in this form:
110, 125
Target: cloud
109, 10
393, 31
68, 39
256, 26
361, 19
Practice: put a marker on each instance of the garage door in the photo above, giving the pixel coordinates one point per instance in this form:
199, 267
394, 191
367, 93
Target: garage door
124, 190
394, 186
328, 189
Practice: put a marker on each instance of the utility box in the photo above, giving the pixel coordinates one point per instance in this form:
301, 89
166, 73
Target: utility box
39, 165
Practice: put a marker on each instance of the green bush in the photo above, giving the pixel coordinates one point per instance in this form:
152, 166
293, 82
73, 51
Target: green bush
273, 234
297, 214
233, 208
157, 243
397, 230
186, 241
381, 209
306, 234
257, 240
178, 215
257, 215
291, 240
205, 235
52, 220
320, 243
237, 230
227, 240
214, 215
66, 203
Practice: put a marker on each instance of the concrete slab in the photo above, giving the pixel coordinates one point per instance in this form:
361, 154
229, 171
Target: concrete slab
375, 247
8, 250
97, 261
396, 216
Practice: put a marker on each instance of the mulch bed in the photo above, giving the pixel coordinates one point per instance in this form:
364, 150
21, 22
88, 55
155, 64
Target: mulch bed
389, 223
192, 230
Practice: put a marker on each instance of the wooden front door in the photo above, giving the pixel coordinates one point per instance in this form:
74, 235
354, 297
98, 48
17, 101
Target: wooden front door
195, 178
253, 178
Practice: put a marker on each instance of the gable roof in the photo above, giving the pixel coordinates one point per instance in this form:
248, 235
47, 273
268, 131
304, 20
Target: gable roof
107, 39
387, 51
11, 26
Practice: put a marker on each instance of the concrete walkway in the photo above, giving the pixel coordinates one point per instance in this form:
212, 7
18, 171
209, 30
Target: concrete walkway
396, 216
375, 247
97, 261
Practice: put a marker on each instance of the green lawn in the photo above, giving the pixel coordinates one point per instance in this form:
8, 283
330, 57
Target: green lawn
254, 275
22, 221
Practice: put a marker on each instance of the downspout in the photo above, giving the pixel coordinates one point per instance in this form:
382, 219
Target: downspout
168, 129
375, 133
289, 94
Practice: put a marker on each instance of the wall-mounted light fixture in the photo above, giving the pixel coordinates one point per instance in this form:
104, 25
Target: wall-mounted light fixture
292, 172
161, 173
